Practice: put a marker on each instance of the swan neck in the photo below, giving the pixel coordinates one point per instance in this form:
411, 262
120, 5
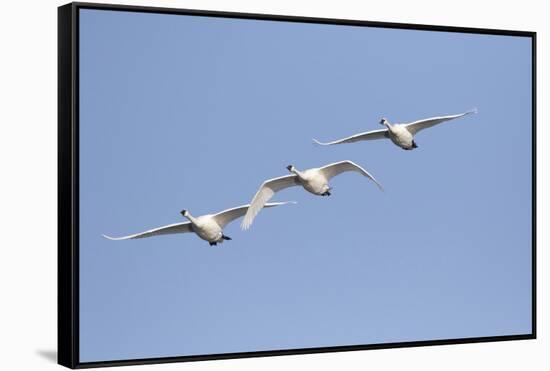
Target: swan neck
191, 218
296, 172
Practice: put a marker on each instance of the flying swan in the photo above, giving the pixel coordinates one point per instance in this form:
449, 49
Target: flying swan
312, 180
208, 227
401, 135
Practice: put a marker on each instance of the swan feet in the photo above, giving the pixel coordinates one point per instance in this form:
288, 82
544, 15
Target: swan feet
413, 146
327, 193
224, 237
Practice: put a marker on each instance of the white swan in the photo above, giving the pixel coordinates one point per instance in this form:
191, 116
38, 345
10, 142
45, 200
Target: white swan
400, 134
312, 180
208, 227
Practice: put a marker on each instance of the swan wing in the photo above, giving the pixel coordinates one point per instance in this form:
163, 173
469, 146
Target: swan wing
416, 126
167, 229
368, 135
331, 170
264, 194
227, 216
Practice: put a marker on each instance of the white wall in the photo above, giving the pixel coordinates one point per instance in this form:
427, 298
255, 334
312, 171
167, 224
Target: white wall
28, 151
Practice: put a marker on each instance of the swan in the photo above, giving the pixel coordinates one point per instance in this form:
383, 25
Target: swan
208, 227
313, 180
401, 135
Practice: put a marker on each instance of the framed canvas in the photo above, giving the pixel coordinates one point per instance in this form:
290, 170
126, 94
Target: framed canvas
241, 185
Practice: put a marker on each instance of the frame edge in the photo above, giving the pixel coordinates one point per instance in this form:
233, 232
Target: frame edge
300, 19
534, 183
67, 350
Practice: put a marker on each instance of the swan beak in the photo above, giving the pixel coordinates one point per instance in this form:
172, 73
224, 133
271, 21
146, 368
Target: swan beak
183, 212
289, 167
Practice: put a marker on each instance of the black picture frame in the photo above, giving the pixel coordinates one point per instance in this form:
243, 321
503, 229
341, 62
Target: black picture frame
68, 183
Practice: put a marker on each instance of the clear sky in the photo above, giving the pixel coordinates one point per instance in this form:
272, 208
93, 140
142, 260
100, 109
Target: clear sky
180, 112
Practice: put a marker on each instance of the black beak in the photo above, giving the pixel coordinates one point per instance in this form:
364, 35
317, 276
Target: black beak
183, 212
289, 167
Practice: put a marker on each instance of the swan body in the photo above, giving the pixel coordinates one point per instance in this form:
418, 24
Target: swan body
207, 227
401, 135
315, 180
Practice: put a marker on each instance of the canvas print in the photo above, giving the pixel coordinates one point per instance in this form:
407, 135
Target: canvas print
257, 185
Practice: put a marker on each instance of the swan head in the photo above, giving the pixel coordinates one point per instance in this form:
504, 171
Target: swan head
185, 213
384, 121
290, 168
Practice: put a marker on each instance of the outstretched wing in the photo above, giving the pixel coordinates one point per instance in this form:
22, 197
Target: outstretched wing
416, 126
227, 216
264, 194
167, 229
331, 170
369, 135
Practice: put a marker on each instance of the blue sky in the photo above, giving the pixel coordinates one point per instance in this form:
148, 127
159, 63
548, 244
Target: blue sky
180, 112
